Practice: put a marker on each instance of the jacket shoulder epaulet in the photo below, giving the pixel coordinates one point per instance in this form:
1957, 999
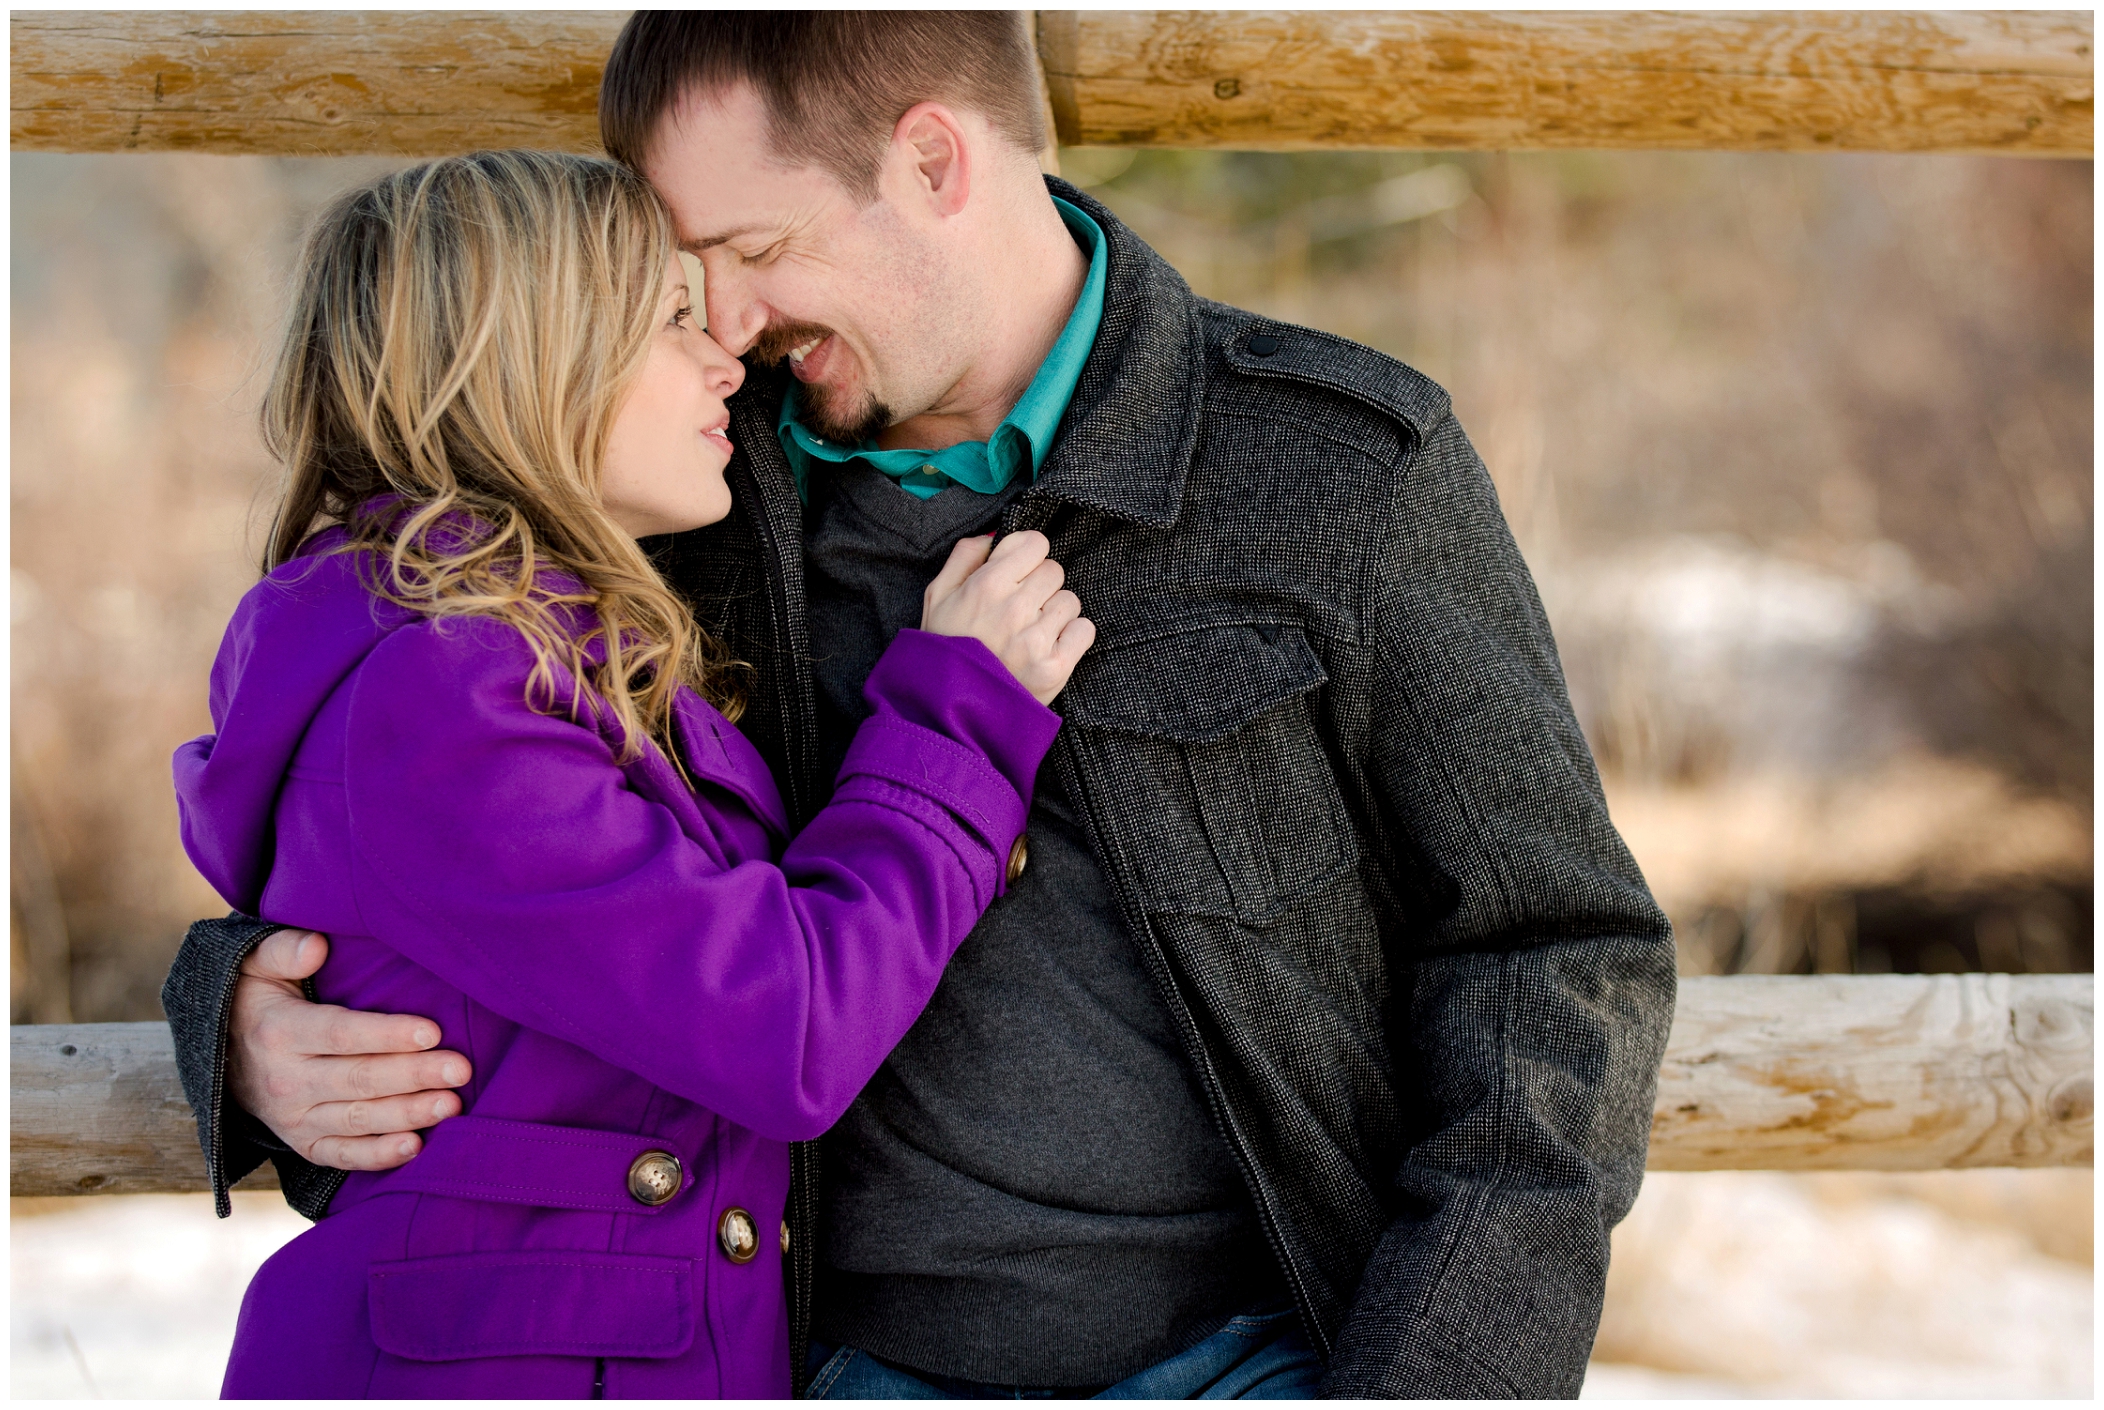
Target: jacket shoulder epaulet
1264, 348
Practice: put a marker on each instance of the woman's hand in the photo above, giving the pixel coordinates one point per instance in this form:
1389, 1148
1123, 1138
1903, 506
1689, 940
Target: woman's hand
1011, 599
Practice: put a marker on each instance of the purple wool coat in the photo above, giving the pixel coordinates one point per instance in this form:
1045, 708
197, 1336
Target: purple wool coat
631, 964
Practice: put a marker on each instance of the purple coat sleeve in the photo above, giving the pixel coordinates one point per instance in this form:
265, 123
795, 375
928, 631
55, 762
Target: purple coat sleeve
508, 852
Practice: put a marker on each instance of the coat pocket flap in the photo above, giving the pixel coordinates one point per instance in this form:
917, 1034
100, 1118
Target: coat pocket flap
1194, 685
541, 1302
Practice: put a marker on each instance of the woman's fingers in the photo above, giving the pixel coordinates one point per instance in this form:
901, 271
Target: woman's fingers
1045, 671
1043, 581
1017, 554
1041, 635
1060, 608
1074, 642
965, 559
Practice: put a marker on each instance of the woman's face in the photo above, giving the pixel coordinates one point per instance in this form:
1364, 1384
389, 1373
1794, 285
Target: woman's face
671, 438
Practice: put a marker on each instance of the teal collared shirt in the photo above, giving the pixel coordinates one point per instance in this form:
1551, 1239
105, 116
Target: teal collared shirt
1022, 439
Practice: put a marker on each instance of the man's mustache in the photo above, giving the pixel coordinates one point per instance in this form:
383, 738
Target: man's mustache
776, 339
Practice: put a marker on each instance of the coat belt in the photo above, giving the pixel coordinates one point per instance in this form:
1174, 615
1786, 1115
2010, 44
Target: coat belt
528, 1162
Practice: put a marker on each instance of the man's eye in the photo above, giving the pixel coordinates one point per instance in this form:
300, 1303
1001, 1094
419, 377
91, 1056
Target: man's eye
765, 256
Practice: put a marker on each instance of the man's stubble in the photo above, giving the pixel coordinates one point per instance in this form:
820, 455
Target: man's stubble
942, 307
843, 418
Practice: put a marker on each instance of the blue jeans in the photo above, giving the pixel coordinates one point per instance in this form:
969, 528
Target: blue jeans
1262, 1356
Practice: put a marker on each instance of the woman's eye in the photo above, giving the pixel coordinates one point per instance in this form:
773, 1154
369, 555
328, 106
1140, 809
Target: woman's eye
682, 314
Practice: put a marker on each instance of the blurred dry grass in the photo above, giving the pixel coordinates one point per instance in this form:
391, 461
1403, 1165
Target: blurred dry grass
144, 292
1799, 450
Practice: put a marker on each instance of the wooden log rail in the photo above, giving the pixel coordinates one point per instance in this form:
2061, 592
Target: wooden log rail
1899, 1072
327, 83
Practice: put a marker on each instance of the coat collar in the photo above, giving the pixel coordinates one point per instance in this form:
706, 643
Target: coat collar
1125, 444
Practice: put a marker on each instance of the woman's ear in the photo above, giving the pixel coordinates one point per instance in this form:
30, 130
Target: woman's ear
929, 143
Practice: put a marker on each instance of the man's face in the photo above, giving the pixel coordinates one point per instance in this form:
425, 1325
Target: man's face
797, 267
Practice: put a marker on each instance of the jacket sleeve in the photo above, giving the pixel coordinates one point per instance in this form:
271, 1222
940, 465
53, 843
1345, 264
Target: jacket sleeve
506, 851
1533, 973
198, 999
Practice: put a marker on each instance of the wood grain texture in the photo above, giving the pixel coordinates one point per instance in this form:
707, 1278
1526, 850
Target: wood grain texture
95, 1109
2017, 82
1902, 1072
1896, 1072
321, 83
307, 83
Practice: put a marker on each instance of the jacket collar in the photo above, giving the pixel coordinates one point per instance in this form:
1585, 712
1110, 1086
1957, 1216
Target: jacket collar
1125, 445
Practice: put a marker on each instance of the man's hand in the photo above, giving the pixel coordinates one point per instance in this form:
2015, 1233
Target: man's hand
342, 1088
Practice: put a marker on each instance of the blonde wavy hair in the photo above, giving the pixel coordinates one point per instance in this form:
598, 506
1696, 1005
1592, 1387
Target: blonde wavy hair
462, 335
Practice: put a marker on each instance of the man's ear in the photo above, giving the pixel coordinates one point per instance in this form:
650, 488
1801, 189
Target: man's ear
930, 147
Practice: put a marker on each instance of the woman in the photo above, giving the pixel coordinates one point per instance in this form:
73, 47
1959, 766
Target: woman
464, 729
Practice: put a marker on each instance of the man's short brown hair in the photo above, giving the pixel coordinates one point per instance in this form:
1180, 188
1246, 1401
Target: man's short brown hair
834, 82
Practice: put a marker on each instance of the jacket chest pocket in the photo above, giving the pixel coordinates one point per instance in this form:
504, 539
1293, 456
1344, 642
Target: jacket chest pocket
1218, 793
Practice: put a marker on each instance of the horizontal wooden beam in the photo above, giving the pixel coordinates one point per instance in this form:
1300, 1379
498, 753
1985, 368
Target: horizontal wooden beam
1893, 1072
2017, 82
321, 83
339, 82
95, 1109
1896, 1073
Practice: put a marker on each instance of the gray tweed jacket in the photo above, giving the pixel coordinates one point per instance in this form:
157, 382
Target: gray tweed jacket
1325, 752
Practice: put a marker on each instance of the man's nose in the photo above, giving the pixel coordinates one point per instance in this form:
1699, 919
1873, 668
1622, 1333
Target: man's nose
735, 317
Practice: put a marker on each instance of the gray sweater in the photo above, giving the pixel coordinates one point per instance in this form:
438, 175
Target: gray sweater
1031, 1191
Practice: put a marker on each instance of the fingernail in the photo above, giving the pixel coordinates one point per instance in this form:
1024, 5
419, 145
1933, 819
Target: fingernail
454, 1076
438, 1108
405, 1148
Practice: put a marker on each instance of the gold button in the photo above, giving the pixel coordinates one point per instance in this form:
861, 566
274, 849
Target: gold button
739, 1238
1018, 858
654, 1177
785, 1236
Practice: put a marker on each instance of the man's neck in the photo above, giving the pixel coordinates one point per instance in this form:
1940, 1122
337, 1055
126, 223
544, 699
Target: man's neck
1038, 271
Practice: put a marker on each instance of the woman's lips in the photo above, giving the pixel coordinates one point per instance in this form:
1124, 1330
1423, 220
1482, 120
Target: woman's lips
721, 435
809, 361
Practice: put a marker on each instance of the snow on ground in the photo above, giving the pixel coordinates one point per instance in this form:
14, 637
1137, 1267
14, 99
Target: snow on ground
1853, 1286
131, 1296
1725, 1286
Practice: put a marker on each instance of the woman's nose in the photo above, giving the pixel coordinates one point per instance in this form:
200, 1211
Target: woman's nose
726, 373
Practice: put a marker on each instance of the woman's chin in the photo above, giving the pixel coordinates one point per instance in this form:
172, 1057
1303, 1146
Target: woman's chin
703, 515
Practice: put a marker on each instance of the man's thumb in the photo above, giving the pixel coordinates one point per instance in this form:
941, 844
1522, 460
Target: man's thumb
287, 954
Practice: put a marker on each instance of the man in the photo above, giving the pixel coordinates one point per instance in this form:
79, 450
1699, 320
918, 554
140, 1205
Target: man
1318, 1034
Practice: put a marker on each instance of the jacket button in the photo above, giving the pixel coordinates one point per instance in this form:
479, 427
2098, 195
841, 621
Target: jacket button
1263, 345
785, 1236
654, 1177
736, 1233
1018, 858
